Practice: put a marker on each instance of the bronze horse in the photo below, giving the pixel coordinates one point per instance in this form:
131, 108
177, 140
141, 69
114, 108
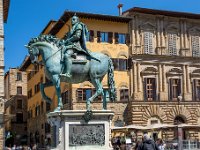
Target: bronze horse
49, 47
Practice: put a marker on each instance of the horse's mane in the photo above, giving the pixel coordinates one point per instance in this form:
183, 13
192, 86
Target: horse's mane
47, 38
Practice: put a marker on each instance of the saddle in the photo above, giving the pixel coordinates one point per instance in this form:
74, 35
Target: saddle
79, 59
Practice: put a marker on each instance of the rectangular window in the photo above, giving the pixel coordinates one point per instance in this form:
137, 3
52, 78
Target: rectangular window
150, 89
104, 36
19, 90
37, 88
122, 38
195, 46
116, 38
148, 43
110, 37
79, 94
30, 93
98, 36
19, 117
196, 89
19, 104
120, 64
175, 88
29, 76
19, 76
154, 121
124, 95
84, 94
90, 36
65, 97
172, 44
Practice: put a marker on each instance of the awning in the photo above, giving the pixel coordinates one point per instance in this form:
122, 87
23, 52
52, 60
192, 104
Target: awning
155, 126
160, 126
134, 127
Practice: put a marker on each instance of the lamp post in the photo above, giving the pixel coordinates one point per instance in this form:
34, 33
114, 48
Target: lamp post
179, 130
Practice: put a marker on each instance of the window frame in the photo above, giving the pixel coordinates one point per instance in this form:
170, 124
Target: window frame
124, 94
19, 76
195, 45
148, 42
150, 88
175, 89
172, 44
19, 90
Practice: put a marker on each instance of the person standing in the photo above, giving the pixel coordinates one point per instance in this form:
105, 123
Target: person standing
147, 144
160, 144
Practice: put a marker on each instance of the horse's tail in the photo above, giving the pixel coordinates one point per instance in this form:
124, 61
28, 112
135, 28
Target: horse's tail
111, 82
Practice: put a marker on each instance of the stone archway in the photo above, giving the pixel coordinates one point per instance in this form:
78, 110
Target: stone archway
154, 110
179, 111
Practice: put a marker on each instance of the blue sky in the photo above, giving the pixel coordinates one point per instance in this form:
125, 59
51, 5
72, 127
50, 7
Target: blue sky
27, 18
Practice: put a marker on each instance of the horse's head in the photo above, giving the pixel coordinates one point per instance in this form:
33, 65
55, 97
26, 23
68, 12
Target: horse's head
42, 40
33, 52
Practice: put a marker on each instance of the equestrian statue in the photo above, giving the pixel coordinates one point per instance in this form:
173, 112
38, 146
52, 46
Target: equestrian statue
68, 60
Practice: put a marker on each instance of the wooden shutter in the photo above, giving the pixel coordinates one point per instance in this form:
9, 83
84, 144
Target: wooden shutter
172, 44
195, 46
127, 38
170, 89
194, 89
116, 38
91, 38
130, 63
145, 89
148, 43
179, 87
154, 90
110, 37
98, 36
115, 63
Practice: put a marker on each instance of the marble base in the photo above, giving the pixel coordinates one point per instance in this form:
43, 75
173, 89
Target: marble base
72, 131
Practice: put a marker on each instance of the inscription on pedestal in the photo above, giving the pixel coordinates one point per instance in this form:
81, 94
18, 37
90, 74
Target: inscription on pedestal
87, 134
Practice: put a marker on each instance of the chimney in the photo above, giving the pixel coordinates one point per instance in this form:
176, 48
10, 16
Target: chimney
120, 9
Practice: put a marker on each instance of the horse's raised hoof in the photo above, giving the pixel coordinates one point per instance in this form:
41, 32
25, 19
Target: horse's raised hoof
58, 109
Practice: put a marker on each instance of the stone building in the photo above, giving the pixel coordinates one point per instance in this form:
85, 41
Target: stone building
16, 106
165, 72
4, 7
107, 34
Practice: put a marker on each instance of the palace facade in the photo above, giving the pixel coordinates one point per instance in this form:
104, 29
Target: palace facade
165, 72
160, 84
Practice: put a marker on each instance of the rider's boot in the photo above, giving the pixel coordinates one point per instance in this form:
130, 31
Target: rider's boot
68, 66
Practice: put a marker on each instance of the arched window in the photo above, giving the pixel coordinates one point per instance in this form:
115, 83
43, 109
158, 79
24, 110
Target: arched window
179, 120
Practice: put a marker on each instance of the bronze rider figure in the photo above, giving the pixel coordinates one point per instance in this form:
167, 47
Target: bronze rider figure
74, 42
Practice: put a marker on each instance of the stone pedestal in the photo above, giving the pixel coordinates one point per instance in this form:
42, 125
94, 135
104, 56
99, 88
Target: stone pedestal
80, 129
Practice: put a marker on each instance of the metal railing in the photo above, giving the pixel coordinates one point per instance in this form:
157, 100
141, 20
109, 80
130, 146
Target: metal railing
186, 145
